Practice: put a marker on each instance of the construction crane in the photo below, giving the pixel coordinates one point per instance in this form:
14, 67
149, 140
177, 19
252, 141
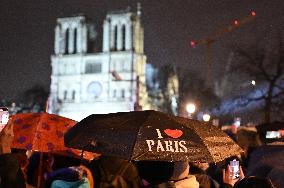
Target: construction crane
208, 41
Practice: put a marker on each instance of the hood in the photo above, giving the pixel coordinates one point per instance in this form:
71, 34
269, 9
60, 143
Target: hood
189, 182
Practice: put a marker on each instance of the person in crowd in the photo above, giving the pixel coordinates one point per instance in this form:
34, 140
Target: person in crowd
200, 171
114, 172
75, 176
276, 176
228, 180
33, 168
162, 174
216, 171
244, 182
249, 141
232, 132
254, 182
11, 174
23, 158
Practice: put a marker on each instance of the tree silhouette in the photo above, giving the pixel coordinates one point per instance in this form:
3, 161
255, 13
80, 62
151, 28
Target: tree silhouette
263, 62
35, 98
192, 88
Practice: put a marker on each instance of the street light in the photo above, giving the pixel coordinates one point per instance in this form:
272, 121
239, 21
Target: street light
206, 117
190, 108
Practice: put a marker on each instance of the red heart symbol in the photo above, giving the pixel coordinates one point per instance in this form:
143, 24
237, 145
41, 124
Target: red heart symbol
173, 133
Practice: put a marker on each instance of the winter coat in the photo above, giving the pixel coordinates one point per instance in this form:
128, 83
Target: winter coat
71, 177
189, 182
64, 174
11, 175
83, 183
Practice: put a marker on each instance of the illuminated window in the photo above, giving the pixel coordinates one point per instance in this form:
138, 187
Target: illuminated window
66, 41
115, 38
73, 94
123, 37
123, 93
114, 93
65, 95
75, 41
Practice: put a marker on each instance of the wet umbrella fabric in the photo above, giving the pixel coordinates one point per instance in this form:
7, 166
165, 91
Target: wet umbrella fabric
267, 161
43, 132
265, 157
151, 135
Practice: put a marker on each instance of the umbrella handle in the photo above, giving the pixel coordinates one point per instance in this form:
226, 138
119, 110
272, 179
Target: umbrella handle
82, 156
39, 170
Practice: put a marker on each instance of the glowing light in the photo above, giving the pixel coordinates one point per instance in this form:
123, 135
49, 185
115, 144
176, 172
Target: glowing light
253, 82
190, 108
206, 117
193, 43
236, 22
253, 13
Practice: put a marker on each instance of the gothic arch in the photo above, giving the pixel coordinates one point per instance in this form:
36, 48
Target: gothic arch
65, 95
115, 37
75, 41
67, 34
73, 94
123, 36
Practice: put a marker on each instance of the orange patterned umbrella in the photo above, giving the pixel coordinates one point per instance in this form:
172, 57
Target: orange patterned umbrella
43, 132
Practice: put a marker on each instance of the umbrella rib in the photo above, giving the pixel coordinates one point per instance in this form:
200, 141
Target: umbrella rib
75, 137
199, 137
133, 146
37, 129
206, 146
137, 157
135, 142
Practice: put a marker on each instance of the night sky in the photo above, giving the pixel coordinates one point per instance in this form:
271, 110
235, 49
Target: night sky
27, 33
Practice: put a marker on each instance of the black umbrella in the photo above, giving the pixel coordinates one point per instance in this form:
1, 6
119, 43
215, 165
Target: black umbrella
151, 135
265, 157
268, 161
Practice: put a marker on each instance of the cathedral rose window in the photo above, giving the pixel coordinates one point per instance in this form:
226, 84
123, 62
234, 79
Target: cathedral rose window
95, 89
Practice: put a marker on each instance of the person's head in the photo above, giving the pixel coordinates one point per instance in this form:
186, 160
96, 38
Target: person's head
254, 182
234, 129
198, 168
161, 171
33, 167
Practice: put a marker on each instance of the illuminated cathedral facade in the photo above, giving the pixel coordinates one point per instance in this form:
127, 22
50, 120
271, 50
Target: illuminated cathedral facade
84, 82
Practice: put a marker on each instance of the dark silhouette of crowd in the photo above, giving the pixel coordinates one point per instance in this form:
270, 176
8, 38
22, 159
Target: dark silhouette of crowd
19, 169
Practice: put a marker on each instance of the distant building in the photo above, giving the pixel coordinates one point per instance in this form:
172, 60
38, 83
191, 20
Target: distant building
162, 89
84, 82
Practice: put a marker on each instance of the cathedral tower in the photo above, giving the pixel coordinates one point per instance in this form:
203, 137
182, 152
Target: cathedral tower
85, 82
70, 35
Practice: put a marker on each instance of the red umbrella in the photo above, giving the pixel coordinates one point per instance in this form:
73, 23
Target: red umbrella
43, 132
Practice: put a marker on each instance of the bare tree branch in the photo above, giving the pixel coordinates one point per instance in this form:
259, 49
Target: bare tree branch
266, 65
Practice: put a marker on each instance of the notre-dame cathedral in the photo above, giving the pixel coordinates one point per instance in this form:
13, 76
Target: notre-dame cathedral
85, 82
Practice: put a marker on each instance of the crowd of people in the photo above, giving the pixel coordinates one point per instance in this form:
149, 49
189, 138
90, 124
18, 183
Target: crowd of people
19, 169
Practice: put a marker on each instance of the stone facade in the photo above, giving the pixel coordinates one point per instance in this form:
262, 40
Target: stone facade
113, 80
